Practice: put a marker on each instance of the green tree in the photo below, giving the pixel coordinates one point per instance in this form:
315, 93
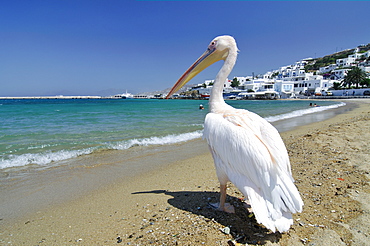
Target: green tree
365, 83
354, 76
235, 83
336, 85
274, 75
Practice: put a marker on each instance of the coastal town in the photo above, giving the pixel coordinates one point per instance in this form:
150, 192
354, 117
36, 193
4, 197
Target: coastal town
304, 78
325, 77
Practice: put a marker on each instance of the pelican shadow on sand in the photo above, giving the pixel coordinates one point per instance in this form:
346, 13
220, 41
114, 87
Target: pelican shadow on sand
242, 224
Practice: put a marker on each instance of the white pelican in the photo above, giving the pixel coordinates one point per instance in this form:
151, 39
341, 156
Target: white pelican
247, 150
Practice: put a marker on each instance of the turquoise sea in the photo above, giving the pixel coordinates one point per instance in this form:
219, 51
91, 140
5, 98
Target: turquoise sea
44, 132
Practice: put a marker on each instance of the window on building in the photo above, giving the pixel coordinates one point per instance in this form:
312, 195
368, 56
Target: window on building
287, 87
268, 86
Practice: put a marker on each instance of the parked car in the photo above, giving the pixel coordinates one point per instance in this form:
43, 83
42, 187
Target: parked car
366, 93
327, 93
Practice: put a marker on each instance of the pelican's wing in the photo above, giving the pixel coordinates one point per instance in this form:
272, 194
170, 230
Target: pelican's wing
265, 132
250, 153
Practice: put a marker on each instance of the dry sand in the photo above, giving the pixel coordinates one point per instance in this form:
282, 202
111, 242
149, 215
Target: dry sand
168, 206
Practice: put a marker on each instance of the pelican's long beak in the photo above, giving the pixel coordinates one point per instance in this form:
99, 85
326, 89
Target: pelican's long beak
208, 58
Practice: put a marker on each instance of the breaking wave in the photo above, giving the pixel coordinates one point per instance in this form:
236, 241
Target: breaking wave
302, 112
169, 139
49, 157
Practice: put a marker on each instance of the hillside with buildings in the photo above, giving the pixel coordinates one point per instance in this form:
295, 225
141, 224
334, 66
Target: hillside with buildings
307, 77
331, 59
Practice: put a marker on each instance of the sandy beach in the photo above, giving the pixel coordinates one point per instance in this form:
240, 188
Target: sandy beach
168, 204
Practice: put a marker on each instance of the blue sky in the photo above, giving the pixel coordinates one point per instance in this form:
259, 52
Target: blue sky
104, 47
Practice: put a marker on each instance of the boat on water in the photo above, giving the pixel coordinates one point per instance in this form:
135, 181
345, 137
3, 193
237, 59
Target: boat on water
124, 95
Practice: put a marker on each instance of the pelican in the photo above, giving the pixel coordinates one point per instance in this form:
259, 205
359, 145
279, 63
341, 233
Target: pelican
246, 149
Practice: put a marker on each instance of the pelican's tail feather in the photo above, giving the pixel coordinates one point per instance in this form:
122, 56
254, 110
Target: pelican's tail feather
273, 211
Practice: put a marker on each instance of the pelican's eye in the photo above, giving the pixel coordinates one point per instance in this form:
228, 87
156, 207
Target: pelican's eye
212, 45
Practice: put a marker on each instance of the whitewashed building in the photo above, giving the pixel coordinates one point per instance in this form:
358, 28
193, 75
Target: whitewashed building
366, 54
365, 66
346, 62
328, 68
339, 74
339, 70
285, 88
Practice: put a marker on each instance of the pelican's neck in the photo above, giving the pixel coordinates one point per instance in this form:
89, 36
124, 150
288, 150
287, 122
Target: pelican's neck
216, 101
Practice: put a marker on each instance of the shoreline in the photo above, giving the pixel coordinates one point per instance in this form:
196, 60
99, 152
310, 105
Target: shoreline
33, 188
173, 195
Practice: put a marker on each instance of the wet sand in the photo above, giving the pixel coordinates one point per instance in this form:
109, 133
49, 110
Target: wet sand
168, 204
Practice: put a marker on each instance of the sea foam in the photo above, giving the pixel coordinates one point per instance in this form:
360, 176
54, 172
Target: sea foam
41, 158
169, 139
49, 157
302, 112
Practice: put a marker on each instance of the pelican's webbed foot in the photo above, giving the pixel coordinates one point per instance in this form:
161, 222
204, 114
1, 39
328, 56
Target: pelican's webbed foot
228, 208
